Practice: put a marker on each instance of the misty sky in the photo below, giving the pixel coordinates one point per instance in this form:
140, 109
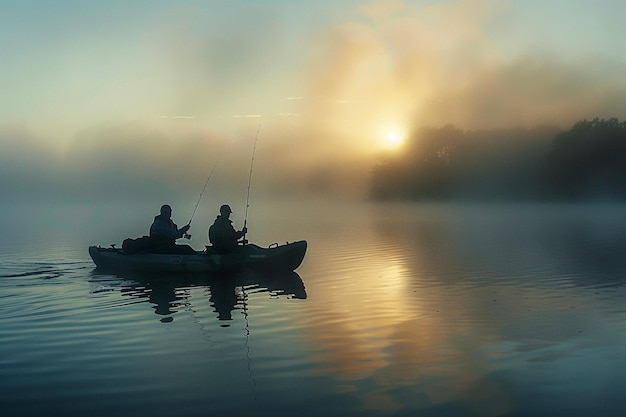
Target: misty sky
119, 96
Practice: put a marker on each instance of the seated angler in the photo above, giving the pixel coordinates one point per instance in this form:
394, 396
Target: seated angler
222, 234
164, 232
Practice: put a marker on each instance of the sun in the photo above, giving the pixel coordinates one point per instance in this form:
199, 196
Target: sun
393, 139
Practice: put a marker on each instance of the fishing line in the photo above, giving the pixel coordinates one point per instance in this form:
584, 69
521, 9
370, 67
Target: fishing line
256, 138
202, 194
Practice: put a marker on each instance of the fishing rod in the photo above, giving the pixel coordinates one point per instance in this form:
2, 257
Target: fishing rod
245, 221
188, 236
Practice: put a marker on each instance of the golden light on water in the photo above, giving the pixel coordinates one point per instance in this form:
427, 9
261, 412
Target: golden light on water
384, 316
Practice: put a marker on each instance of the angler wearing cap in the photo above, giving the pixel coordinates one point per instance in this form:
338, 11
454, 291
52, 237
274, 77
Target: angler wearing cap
222, 234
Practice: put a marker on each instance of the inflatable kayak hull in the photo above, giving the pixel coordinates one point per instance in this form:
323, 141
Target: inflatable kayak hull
285, 257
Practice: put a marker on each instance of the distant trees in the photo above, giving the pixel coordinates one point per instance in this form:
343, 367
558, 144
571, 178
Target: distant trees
424, 171
587, 161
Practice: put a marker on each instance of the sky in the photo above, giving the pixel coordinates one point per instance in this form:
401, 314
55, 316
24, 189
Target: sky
142, 98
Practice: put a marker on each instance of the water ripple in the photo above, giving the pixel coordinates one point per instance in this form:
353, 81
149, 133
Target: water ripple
415, 310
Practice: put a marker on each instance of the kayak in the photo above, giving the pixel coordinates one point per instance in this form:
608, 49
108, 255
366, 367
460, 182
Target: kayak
274, 258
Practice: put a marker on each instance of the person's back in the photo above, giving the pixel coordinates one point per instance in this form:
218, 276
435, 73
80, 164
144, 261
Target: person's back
222, 234
164, 232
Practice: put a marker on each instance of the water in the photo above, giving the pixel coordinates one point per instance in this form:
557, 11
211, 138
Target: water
397, 310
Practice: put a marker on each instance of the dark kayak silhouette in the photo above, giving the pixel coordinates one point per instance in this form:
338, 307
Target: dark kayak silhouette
276, 258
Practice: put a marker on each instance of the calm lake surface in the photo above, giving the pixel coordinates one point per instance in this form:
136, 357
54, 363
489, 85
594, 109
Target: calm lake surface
397, 310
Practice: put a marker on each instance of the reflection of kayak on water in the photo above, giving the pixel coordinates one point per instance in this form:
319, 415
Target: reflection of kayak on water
227, 289
285, 257
275, 283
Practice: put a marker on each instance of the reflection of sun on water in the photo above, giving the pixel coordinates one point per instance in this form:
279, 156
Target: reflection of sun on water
379, 327
365, 305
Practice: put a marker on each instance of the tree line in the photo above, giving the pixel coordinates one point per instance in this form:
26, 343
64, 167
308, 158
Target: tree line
586, 162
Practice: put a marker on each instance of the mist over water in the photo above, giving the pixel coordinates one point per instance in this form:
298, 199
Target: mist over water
144, 124
399, 309
436, 309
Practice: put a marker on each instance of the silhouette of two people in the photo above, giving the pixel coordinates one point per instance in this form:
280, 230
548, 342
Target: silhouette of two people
222, 235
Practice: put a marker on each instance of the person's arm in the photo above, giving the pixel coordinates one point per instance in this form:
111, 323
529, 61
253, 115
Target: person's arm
163, 230
241, 233
184, 230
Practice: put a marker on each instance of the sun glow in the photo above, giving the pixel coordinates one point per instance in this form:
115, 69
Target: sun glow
393, 139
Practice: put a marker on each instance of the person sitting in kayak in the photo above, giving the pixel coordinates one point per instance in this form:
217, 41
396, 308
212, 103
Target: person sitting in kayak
222, 234
164, 232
